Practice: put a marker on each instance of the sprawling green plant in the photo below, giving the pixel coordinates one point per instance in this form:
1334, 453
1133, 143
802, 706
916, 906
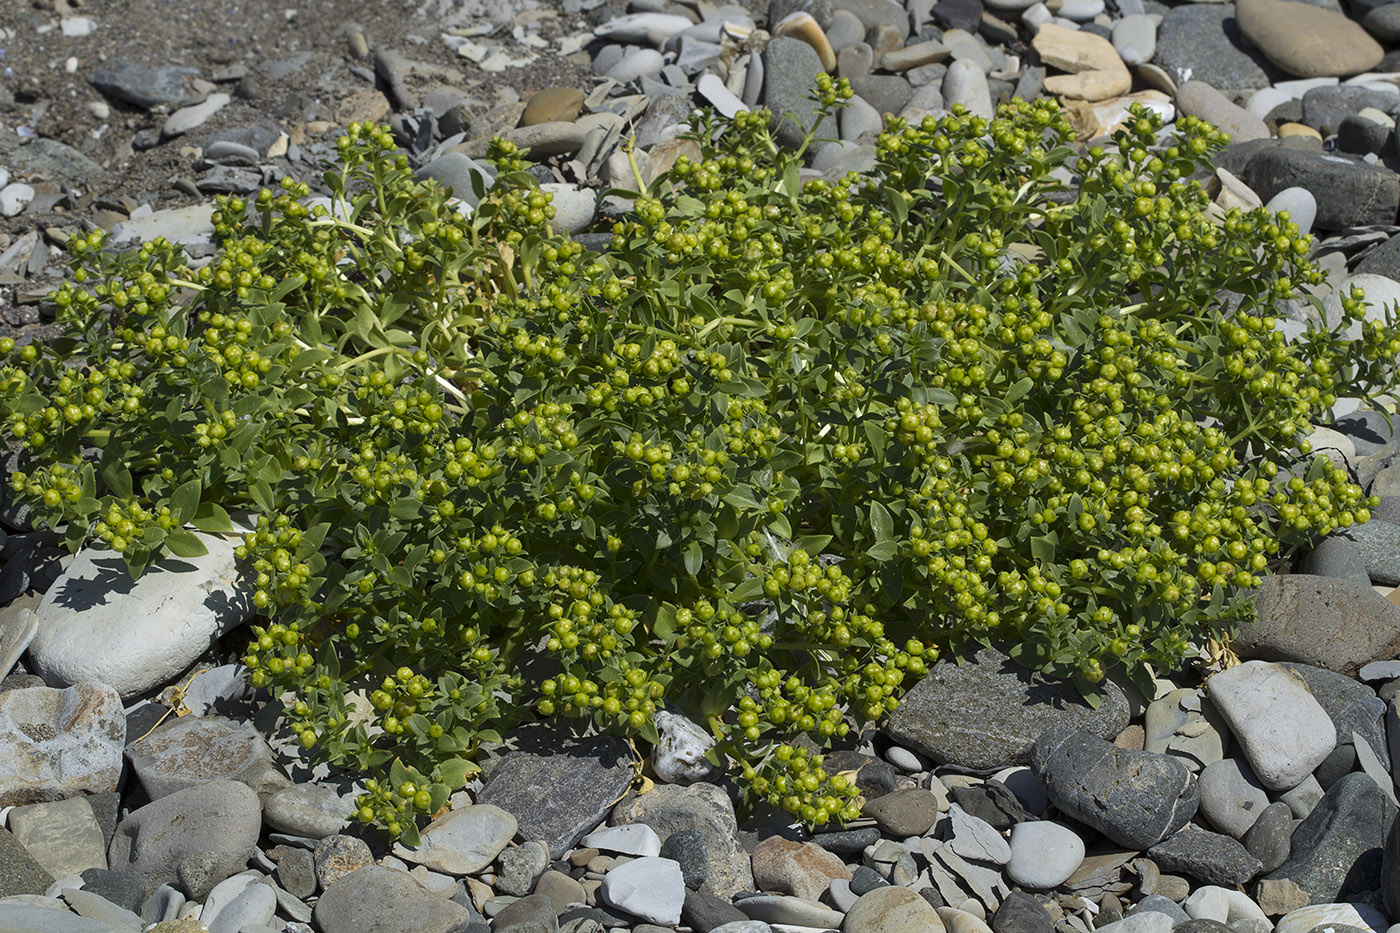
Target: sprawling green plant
763, 459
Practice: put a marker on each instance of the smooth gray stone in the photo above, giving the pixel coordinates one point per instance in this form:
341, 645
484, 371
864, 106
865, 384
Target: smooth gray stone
460, 173
306, 810
1359, 134
846, 29
772, 908
703, 911
988, 712
1353, 707
22, 918
1162, 905
1021, 913
1302, 210
873, 13
1383, 22
1137, 799
1379, 545
256, 905
859, 118
1210, 858
1135, 39
1231, 797
1339, 557
221, 817
1349, 192
790, 68
1324, 108
1269, 839
164, 904
1201, 42
886, 93
373, 899
138, 84
533, 914
1336, 851
96, 907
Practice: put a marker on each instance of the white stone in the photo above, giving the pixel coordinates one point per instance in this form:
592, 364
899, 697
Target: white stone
192, 117
1300, 86
1035, 16
650, 888
637, 63
679, 754
186, 226
1043, 854
14, 197
1362, 916
628, 839
1235, 193
1262, 102
1282, 729
976, 839
1300, 204
574, 207
1380, 292
96, 623
966, 84
720, 97
1135, 39
961, 920
462, 842
75, 27
654, 28
1080, 11
1212, 902
1145, 921
255, 907
225, 893
18, 624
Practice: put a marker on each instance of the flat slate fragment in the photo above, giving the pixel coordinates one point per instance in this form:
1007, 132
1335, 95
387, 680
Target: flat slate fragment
19, 873
987, 712
1210, 858
559, 794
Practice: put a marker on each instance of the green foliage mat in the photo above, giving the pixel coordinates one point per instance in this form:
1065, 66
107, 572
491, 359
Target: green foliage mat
761, 461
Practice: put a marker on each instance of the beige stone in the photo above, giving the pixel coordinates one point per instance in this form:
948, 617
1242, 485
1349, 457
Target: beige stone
803, 26
1235, 193
367, 106
1094, 119
1277, 897
1074, 50
1092, 86
914, 56
801, 869
1096, 72
1306, 40
1286, 130
552, 104
893, 908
